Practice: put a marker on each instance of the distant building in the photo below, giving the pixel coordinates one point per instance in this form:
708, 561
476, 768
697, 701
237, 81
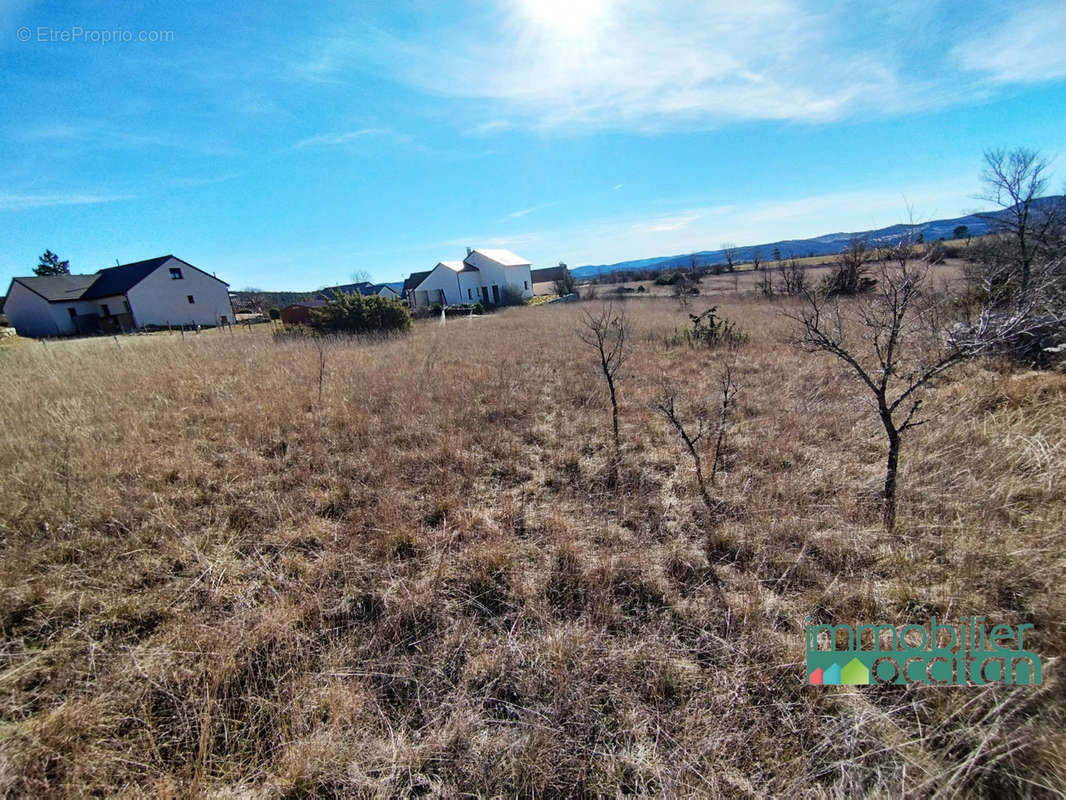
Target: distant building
363, 287
157, 292
483, 276
300, 313
544, 279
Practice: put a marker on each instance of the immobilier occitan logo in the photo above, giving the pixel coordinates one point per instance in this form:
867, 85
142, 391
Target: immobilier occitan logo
941, 654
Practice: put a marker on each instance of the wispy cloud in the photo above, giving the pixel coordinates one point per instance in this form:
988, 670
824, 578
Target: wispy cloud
193, 182
669, 223
350, 137
519, 214
655, 64
492, 126
525, 212
95, 134
1025, 45
23, 202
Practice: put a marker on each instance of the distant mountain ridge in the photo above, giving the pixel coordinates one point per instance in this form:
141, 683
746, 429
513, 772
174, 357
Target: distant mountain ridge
824, 245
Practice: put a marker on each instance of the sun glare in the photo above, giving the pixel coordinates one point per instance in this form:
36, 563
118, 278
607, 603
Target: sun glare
564, 17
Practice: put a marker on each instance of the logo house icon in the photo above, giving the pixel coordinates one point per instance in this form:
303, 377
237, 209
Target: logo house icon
834, 667
854, 673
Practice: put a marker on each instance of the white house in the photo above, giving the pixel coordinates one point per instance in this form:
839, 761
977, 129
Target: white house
158, 292
483, 276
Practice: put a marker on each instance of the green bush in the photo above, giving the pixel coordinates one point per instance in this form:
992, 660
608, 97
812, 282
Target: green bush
355, 313
510, 296
708, 330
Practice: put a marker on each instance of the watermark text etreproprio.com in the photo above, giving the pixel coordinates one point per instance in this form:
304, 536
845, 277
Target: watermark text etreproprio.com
76, 34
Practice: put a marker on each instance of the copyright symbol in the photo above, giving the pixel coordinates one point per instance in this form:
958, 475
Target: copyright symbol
23, 34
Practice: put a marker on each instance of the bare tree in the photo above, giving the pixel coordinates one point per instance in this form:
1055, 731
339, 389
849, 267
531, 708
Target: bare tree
756, 258
731, 255
692, 432
893, 340
766, 284
793, 277
683, 292
1014, 181
608, 332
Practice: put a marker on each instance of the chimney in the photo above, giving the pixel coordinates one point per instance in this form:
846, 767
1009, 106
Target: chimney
469, 251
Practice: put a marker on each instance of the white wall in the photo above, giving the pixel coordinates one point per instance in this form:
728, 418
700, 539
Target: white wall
160, 300
453, 284
494, 273
32, 315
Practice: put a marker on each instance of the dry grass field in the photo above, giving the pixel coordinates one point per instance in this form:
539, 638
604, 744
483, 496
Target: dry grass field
432, 583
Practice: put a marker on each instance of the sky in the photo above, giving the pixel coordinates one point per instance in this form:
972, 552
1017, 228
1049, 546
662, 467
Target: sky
293, 146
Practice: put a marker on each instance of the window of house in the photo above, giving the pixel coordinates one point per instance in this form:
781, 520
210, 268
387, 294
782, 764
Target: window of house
104, 310
126, 305
527, 285
469, 294
73, 313
175, 273
190, 299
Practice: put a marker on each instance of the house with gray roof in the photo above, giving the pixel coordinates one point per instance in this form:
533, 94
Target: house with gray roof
364, 288
159, 292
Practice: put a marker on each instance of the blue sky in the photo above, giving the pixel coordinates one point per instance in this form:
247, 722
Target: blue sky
288, 146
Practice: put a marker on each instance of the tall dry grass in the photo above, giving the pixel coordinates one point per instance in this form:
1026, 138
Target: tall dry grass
432, 583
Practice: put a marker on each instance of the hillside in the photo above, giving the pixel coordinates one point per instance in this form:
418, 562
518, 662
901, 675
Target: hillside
826, 244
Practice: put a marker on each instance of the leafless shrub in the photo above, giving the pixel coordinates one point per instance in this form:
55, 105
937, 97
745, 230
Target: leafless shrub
702, 422
850, 273
607, 332
1027, 327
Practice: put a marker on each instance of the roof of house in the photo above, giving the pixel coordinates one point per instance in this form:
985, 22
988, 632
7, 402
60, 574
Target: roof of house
347, 288
414, 279
457, 266
504, 257
547, 274
104, 283
119, 280
56, 288
363, 287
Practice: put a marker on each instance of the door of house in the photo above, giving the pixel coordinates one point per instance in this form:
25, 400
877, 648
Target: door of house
485, 294
495, 294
